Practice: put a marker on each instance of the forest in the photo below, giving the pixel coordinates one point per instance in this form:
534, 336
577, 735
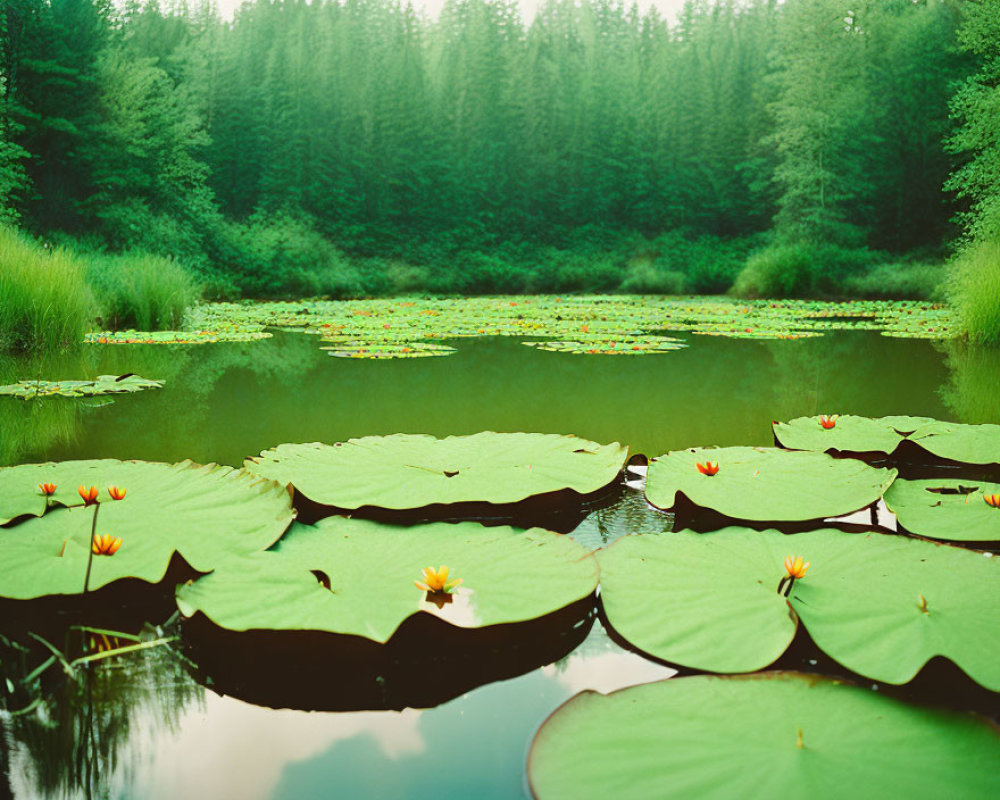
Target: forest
356, 148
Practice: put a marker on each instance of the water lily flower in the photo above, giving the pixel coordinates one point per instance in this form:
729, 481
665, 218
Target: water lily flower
796, 567
116, 493
828, 421
106, 544
48, 489
708, 468
89, 495
436, 581
992, 500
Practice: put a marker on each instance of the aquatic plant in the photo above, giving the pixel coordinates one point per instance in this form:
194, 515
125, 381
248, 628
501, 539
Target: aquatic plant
106, 544
708, 468
828, 422
437, 580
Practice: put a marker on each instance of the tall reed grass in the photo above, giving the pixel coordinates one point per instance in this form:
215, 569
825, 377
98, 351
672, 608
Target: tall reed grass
974, 290
45, 301
141, 291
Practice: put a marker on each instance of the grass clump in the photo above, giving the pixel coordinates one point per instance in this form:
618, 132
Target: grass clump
45, 301
141, 291
898, 281
974, 290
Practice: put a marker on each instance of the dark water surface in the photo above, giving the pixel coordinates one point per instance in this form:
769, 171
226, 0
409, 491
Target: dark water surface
143, 726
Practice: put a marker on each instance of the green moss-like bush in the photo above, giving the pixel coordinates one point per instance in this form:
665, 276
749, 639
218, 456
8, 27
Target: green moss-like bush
898, 281
141, 291
800, 269
974, 289
45, 301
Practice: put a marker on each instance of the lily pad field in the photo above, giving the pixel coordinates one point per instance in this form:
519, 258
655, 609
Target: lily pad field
506, 547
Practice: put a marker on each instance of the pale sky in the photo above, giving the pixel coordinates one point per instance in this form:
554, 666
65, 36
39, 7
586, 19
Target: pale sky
668, 8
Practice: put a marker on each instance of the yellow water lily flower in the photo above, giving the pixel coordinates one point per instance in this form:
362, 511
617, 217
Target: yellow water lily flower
106, 544
796, 567
436, 580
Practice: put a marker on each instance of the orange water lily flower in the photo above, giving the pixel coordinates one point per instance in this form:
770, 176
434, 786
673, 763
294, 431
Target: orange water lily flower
48, 489
828, 421
106, 544
116, 493
436, 581
992, 500
89, 495
796, 567
708, 468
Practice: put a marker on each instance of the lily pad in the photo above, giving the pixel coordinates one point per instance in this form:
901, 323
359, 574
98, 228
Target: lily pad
946, 509
375, 350
880, 605
772, 735
356, 577
103, 384
894, 436
614, 346
204, 513
850, 434
405, 471
765, 484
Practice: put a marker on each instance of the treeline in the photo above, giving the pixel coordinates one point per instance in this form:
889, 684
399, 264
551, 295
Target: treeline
593, 148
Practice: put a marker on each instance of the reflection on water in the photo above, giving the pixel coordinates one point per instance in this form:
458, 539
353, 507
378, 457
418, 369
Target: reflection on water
141, 726
223, 402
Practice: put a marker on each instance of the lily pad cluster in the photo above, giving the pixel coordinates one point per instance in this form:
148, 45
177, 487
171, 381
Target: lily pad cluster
101, 385
767, 735
879, 604
579, 324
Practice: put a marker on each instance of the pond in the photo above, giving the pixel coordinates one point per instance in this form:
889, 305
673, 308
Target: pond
152, 724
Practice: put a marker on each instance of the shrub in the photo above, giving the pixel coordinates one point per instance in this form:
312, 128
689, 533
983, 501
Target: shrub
44, 297
974, 289
645, 277
800, 269
898, 281
142, 291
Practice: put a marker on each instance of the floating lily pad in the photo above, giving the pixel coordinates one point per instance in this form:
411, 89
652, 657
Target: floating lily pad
204, 513
894, 436
765, 484
406, 471
880, 605
176, 337
946, 509
103, 384
358, 349
850, 434
773, 735
617, 346
356, 577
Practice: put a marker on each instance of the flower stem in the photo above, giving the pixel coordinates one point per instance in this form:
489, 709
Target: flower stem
90, 549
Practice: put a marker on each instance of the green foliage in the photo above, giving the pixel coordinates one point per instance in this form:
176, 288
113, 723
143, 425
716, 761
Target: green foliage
800, 269
45, 300
902, 280
141, 291
975, 291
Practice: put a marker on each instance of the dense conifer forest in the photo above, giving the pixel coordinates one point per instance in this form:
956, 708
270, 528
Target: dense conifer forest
802, 147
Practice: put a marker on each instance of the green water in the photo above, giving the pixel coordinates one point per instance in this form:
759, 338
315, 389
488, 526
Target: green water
143, 726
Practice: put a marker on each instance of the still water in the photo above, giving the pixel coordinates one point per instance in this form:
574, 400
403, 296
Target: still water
146, 726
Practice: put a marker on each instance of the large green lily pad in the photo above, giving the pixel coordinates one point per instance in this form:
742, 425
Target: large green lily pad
774, 735
881, 605
946, 509
102, 384
412, 471
507, 576
766, 484
969, 444
850, 434
204, 513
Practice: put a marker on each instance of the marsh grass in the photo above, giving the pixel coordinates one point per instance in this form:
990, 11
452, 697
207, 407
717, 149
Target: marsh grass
974, 290
141, 291
45, 301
